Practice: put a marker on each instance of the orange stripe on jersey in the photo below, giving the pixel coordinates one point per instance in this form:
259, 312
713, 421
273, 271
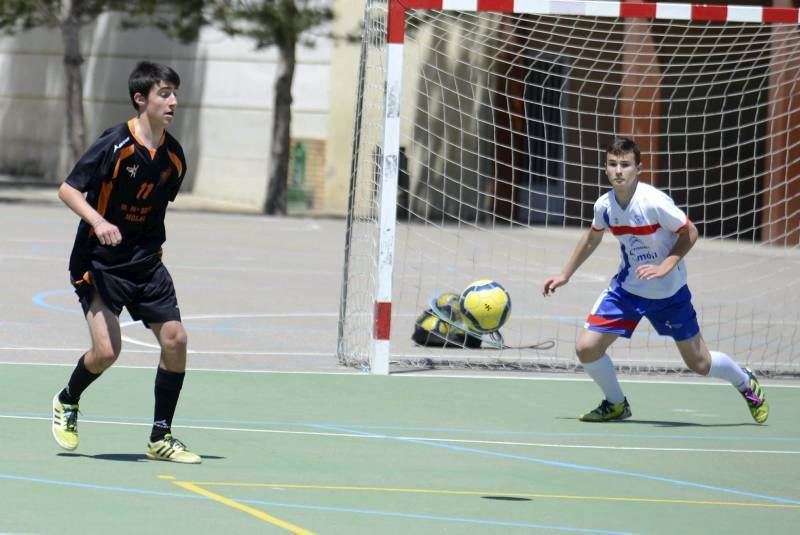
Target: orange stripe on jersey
683, 227
105, 194
132, 129
124, 153
636, 231
102, 200
105, 189
176, 161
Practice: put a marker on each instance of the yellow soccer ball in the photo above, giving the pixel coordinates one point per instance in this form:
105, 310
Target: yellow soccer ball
445, 306
485, 305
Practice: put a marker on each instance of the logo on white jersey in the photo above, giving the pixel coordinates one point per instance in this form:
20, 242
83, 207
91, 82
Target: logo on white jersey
639, 252
635, 243
131, 169
117, 147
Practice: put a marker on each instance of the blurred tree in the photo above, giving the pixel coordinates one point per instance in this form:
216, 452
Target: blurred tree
280, 23
69, 17
284, 24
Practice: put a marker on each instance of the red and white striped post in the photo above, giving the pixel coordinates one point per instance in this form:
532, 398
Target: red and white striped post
387, 218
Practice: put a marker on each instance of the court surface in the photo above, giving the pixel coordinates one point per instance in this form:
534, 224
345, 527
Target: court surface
293, 443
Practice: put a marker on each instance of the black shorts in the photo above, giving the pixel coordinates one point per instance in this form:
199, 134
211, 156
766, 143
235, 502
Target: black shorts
146, 291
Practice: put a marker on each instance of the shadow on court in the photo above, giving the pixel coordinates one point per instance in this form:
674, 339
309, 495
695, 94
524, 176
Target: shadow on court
124, 457
662, 423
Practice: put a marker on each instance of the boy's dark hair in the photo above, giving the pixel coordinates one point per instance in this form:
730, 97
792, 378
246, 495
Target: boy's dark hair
624, 145
146, 75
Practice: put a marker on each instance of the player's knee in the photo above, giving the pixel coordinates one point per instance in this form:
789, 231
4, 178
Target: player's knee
700, 366
174, 339
587, 353
105, 354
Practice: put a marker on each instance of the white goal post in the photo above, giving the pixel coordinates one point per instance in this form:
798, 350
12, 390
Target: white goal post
478, 153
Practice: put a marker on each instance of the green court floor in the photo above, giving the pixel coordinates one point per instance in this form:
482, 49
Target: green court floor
422, 454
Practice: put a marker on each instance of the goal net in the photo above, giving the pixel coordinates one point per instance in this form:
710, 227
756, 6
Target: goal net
479, 153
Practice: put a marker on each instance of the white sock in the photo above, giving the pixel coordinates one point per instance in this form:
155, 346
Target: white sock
723, 367
603, 373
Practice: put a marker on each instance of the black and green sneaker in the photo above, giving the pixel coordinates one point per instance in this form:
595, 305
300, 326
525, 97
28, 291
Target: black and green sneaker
607, 412
755, 398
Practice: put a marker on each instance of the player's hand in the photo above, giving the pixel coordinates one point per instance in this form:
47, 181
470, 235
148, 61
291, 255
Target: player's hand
107, 234
651, 271
552, 283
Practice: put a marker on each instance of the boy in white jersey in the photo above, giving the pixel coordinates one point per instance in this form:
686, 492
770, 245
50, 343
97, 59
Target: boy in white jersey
654, 236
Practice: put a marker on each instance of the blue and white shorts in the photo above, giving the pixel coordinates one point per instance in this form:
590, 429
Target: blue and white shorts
617, 311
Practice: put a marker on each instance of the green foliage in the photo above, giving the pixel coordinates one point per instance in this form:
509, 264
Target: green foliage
272, 22
22, 15
179, 19
266, 22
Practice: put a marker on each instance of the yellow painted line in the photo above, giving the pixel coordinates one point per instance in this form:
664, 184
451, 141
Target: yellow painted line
498, 494
166, 477
261, 515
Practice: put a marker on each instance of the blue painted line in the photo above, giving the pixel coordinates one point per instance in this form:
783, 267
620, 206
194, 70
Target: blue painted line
40, 300
482, 522
193, 496
573, 466
91, 486
567, 434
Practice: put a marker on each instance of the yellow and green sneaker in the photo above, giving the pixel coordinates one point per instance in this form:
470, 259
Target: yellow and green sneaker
755, 398
607, 412
171, 449
65, 424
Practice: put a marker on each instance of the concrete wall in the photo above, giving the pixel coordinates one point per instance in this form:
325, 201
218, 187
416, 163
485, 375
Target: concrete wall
343, 92
225, 102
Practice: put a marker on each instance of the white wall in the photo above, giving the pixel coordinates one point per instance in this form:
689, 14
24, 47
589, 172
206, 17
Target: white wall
344, 69
224, 117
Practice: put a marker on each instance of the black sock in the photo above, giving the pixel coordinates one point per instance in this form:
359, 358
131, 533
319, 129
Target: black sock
167, 389
79, 381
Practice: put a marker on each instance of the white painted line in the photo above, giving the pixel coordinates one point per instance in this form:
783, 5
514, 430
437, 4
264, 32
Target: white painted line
213, 370
155, 348
434, 374
426, 439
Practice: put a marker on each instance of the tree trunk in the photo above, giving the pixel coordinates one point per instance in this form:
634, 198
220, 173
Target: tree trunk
73, 92
281, 131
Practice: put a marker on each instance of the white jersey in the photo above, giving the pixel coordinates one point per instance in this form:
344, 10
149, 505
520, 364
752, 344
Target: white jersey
647, 229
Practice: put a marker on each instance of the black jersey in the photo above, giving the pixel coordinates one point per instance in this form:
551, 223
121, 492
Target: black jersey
130, 186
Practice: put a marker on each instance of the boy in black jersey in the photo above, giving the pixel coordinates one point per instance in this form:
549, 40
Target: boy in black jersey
120, 188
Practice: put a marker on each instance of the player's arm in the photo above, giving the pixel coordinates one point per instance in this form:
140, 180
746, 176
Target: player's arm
583, 250
106, 233
687, 237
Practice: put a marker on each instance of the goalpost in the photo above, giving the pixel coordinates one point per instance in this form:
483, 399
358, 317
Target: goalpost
478, 153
